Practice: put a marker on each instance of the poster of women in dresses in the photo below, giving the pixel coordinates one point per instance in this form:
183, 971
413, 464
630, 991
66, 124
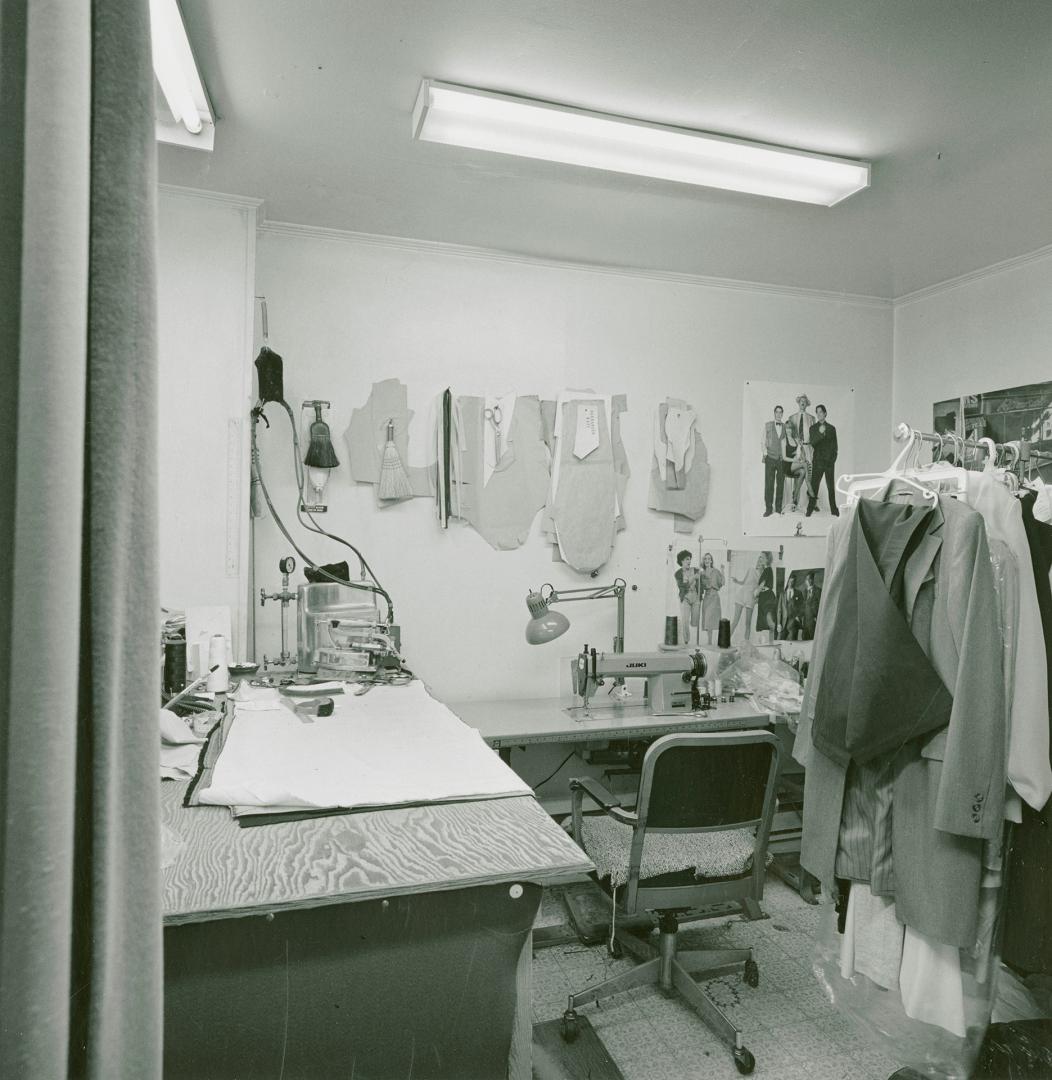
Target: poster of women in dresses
797, 438
757, 580
698, 594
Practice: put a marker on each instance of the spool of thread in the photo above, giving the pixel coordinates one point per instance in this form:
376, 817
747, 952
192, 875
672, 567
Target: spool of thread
723, 635
671, 629
197, 656
174, 677
219, 680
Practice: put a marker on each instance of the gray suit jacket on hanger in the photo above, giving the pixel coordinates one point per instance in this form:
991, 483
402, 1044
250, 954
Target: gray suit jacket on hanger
947, 787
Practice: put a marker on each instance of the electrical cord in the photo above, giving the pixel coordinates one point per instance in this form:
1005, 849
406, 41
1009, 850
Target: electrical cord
314, 526
375, 588
572, 753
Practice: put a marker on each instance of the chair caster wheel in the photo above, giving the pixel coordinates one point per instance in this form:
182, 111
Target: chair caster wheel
752, 973
744, 1061
615, 949
569, 1029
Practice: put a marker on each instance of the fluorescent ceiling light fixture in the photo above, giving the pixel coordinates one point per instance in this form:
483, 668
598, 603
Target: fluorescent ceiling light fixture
483, 120
173, 64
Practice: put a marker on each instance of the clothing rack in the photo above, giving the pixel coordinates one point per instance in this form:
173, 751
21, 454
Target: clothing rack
1019, 449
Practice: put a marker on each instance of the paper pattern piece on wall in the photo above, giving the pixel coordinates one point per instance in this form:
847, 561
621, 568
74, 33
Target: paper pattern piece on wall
366, 437
586, 495
586, 438
500, 498
679, 473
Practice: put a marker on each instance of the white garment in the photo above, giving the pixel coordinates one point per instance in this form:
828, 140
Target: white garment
1028, 769
872, 940
930, 982
1043, 502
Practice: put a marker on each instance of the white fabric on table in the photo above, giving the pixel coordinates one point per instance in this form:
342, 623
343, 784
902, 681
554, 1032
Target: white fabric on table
392, 746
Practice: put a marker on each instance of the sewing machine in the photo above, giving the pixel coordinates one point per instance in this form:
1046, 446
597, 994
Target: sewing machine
668, 675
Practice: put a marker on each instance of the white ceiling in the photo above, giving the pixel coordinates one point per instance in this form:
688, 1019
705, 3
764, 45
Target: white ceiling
950, 99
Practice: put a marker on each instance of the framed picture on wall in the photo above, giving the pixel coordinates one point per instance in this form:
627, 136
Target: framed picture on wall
1020, 412
797, 438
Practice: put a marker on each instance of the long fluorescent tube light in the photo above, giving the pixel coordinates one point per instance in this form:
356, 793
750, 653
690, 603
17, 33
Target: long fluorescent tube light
483, 120
177, 74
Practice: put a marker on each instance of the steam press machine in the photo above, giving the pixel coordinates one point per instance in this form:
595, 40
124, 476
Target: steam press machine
669, 675
340, 634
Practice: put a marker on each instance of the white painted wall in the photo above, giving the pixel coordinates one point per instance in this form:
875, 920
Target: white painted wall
987, 332
206, 263
345, 313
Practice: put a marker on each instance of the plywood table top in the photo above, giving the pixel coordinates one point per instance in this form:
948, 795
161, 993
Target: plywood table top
222, 870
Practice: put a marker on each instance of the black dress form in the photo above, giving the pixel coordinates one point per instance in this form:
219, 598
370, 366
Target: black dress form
1027, 941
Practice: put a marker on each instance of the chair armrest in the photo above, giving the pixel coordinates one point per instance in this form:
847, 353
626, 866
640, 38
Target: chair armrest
588, 785
611, 805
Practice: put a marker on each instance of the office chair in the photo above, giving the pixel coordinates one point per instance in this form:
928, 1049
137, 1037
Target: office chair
698, 836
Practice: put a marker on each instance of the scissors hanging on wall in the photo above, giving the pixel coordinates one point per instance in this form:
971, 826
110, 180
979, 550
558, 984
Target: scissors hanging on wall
495, 418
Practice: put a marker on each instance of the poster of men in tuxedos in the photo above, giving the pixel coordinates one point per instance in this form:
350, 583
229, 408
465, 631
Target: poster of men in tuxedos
797, 438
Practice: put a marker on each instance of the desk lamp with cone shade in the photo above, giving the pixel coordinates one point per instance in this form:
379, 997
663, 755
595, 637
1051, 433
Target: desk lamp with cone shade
546, 625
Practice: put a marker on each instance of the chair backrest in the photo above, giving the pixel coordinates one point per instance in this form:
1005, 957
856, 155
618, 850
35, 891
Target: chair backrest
705, 782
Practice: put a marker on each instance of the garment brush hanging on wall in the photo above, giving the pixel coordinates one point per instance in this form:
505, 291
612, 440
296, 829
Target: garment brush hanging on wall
394, 480
320, 458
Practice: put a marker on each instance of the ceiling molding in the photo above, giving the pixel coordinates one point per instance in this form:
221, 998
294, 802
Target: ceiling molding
1013, 263
436, 247
242, 202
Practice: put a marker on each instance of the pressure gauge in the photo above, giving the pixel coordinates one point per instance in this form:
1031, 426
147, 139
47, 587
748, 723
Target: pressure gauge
287, 565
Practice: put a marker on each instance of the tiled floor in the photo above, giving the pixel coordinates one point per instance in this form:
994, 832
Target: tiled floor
786, 1022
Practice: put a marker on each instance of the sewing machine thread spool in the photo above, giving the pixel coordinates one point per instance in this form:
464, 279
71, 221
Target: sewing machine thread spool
174, 676
219, 679
671, 629
723, 634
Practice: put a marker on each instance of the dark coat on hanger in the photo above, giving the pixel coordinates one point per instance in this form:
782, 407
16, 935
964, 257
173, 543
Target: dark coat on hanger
1027, 943
947, 786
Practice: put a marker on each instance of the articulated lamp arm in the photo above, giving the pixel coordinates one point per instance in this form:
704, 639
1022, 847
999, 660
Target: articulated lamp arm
546, 625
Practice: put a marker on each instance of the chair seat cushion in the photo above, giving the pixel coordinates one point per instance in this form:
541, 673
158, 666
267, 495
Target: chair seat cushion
710, 855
